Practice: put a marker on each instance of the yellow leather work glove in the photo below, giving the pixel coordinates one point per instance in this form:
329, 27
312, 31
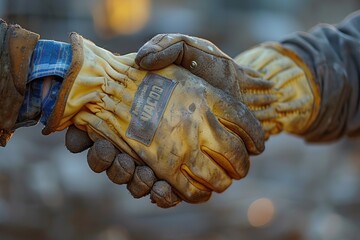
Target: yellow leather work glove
194, 136
288, 100
298, 96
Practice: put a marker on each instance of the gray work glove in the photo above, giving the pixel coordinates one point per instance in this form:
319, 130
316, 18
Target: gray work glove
121, 168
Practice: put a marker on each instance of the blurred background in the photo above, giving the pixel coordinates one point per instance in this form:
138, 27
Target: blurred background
294, 191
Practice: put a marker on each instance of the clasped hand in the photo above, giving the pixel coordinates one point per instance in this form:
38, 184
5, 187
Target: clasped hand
205, 133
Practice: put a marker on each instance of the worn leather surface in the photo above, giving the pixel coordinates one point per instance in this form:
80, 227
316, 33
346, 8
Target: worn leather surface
270, 80
202, 140
329, 52
16, 47
204, 59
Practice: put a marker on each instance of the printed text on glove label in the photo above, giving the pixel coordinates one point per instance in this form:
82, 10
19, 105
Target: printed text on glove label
148, 107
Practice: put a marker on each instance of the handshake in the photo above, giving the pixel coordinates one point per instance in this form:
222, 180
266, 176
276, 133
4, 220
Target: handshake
180, 118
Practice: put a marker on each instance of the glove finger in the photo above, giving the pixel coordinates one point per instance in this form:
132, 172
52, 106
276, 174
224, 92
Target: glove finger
97, 125
259, 99
206, 171
228, 151
163, 195
261, 60
77, 140
122, 169
276, 66
253, 80
283, 78
119, 92
271, 128
101, 155
152, 56
142, 181
199, 56
267, 114
255, 84
165, 49
295, 105
190, 190
238, 119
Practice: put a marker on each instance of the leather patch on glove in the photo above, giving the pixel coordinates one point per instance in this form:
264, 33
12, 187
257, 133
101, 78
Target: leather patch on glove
148, 107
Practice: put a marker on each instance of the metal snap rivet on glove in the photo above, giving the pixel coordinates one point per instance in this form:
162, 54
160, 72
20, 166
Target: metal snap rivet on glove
193, 64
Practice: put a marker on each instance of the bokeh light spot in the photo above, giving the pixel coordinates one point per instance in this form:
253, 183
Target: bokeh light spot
261, 212
116, 17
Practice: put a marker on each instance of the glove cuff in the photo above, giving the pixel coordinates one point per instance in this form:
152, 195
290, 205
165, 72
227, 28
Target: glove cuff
298, 101
57, 113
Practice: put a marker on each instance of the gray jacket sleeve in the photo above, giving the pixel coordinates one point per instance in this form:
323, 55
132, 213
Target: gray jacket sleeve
332, 53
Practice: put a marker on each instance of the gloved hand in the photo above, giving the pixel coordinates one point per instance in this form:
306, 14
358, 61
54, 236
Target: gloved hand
298, 101
120, 168
194, 136
289, 101
205, 60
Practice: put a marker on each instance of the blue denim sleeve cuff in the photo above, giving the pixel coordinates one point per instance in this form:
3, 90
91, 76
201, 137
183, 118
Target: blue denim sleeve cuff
50, 58
30, 110
49, 100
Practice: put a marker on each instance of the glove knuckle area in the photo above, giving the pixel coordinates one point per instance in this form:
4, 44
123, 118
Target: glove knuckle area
155, 56
77, 140
163, 195
157, 43
204, 45
156, 59
122, 169
142, 181
101, 155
